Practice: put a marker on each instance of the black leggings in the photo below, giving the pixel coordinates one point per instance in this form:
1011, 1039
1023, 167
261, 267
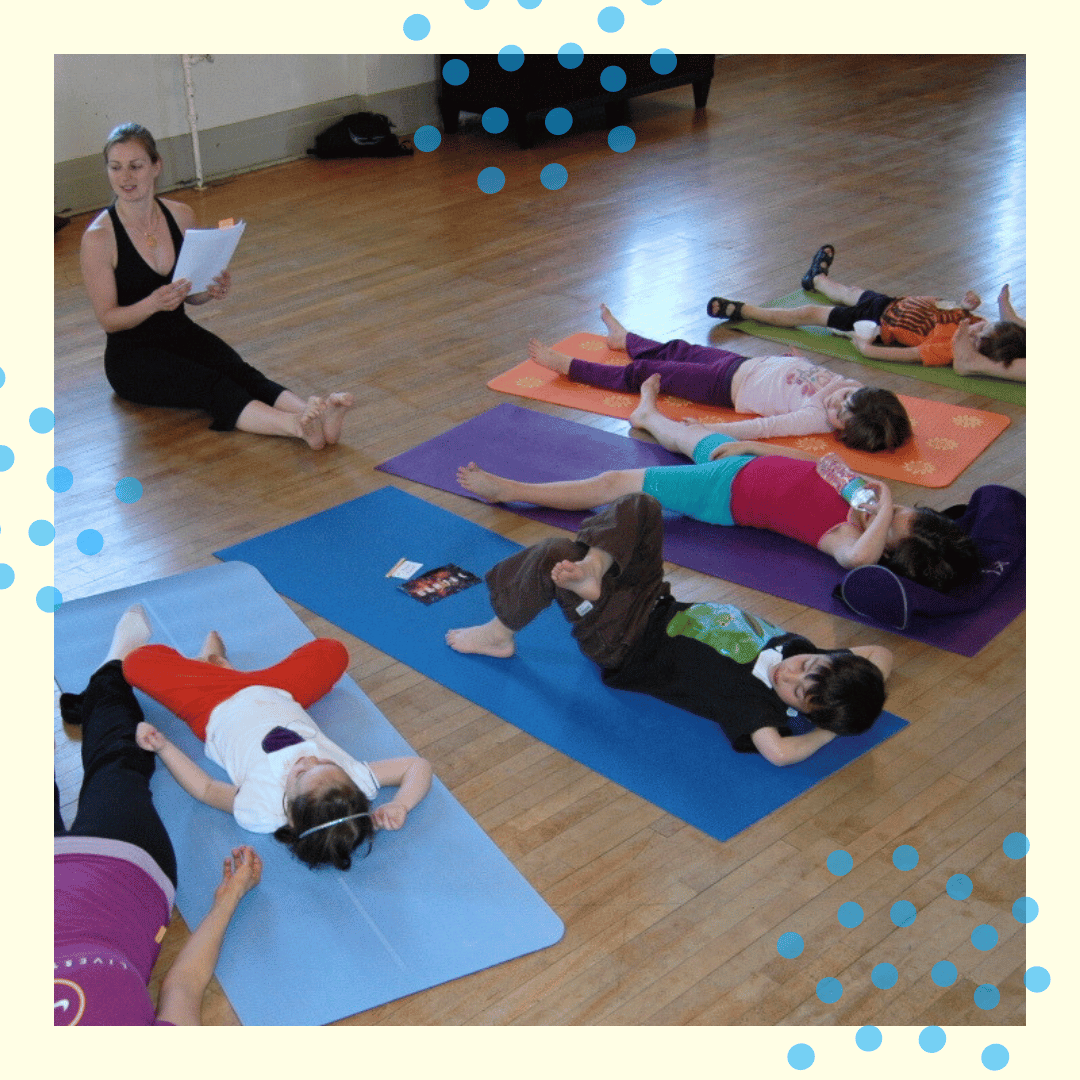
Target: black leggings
115, 801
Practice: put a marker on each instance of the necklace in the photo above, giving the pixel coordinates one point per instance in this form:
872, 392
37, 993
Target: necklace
149, 237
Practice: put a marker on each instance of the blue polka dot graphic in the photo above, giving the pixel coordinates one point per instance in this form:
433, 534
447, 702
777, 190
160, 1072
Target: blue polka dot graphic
1016, 845
553, 176
427, 138
494, 120
943, 973
903, 913
48, 599
490, 180
455, 72
1025, 910
558, 121
789, 945
610, 20
621, 139
511, 57
850, 914
42, 420
59, 479
663, 61
571, 55
1036, 979
41, 533
995, 1057
417, 27
476, 5
3, 377
7, 458
129, 490
868, 1038
932, 1039
650, 3
987, 996
800, 1056
884, 976
959, 886
7, 576
529, 4
905, 857
89, 541
839, 863
613, 78
830, 990
984, 937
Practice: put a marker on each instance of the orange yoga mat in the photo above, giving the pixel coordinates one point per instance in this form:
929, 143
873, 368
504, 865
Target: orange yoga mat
947, 438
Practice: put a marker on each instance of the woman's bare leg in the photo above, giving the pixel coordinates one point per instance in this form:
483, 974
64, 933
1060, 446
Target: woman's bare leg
287, 401
262, 419
670, 434
559, 494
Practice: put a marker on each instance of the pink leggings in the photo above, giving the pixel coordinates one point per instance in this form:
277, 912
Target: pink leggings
194, 688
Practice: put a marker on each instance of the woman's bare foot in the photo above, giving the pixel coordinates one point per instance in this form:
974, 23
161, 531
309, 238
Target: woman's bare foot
213, 650
337, 405
582, 578
131, 633
480, 482
549, 358
490, 639
616, 336
646, 407
310, 423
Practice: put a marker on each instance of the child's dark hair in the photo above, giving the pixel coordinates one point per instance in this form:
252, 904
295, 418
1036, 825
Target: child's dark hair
1005, 343
131, 132
937, 553
846, 695
336, 843
876, 420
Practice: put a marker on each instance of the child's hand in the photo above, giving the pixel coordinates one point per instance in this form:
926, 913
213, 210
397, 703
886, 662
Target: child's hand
149, 738
882, 492
240, 873
728, 449
390, 815
793, 351
971, 300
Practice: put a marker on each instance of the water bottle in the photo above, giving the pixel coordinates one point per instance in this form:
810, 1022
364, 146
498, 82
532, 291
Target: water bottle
853, 489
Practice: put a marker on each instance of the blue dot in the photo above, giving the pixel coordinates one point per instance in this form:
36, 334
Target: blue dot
830, 990
3, 377
476, 5
416, 27
959, 886
558, 121
59, 479
41, 533
621, 139
613, 78
129, 490
571, 55
490, 180
610, 20
789, 945
511, 57
7, 458
943, 973
650, 3
663, 61
89, 541
987, 996
1025, 910
884, 976
868, 1038
1036, 979
1016, 845
455, 72
800, 1056
553, 176
839, 863
48, 598
984, 937
905, 857
42, 420
427, 138
903, 913
931, 1039
529, 4
995, 1057
7, 575
494, 120
850, 914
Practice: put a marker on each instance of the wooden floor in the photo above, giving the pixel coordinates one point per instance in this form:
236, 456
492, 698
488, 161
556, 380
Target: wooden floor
400, 281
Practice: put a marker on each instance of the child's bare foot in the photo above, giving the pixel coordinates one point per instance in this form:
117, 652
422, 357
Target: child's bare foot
582, 578
616, 337
549, 358
310, 422
480, 482
337, 405
646, 407
490, 639
213, 650
131, 633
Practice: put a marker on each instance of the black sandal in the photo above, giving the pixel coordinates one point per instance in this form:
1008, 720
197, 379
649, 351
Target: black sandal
719, 308
823, 259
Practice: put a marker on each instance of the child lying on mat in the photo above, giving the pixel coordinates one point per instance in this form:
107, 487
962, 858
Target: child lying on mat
790, 395
914, 329
287, 777
764, 486
710, 659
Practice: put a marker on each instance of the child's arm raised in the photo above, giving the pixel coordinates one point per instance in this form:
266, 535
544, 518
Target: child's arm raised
412, 777
780, 749
194, 780
850, 548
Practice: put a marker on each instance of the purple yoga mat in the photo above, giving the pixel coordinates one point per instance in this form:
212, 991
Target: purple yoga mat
527, 445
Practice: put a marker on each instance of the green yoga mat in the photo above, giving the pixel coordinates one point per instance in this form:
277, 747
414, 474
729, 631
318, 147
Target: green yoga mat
824, 341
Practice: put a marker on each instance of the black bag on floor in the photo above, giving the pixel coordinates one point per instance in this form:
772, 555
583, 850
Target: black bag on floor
361, 134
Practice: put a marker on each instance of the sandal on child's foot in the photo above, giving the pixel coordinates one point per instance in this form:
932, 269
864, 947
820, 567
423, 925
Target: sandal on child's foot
719, 308
823, 259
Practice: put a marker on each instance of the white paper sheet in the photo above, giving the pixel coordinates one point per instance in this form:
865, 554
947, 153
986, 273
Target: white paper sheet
205, 253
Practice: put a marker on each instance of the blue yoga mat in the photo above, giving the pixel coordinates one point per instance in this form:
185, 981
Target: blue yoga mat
335, 563
434, 901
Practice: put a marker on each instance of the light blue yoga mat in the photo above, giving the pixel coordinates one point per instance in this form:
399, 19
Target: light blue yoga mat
433, 902
335, 564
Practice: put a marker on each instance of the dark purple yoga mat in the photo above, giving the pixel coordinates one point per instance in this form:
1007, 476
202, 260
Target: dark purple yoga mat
527, 445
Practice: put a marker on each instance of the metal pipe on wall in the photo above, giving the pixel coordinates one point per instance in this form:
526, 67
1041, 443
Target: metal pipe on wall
186, 60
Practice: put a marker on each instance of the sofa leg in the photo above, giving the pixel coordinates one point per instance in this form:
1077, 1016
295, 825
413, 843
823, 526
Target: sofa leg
701, 92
